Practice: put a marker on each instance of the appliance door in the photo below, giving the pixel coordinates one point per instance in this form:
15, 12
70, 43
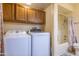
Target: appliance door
17, 46
40, 44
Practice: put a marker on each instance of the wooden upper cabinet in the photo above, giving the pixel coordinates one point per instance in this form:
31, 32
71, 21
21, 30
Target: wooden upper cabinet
8, 11
36, 16
21, 13
40, 16
31, 15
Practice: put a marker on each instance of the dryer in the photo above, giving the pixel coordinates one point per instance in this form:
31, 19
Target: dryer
40, 43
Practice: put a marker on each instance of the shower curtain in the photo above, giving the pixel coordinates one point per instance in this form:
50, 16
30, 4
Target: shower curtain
71, 34
72, 37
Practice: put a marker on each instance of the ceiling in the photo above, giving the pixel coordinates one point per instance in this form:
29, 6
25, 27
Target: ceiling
41, 6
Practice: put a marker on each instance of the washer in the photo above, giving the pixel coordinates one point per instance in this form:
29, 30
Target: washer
17, 44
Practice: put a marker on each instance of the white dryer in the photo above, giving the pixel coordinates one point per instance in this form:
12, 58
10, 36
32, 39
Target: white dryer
40, 43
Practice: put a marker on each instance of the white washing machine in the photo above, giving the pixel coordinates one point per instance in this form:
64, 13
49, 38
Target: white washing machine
17, 44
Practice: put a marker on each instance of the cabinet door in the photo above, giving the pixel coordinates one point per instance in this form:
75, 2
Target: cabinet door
8, 12
32, 16
40, 16
35, 16
21, 13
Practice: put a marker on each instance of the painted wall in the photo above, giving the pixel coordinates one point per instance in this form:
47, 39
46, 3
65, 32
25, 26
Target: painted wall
68, 6
76, 12
19, 26
49, 22
49, 18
